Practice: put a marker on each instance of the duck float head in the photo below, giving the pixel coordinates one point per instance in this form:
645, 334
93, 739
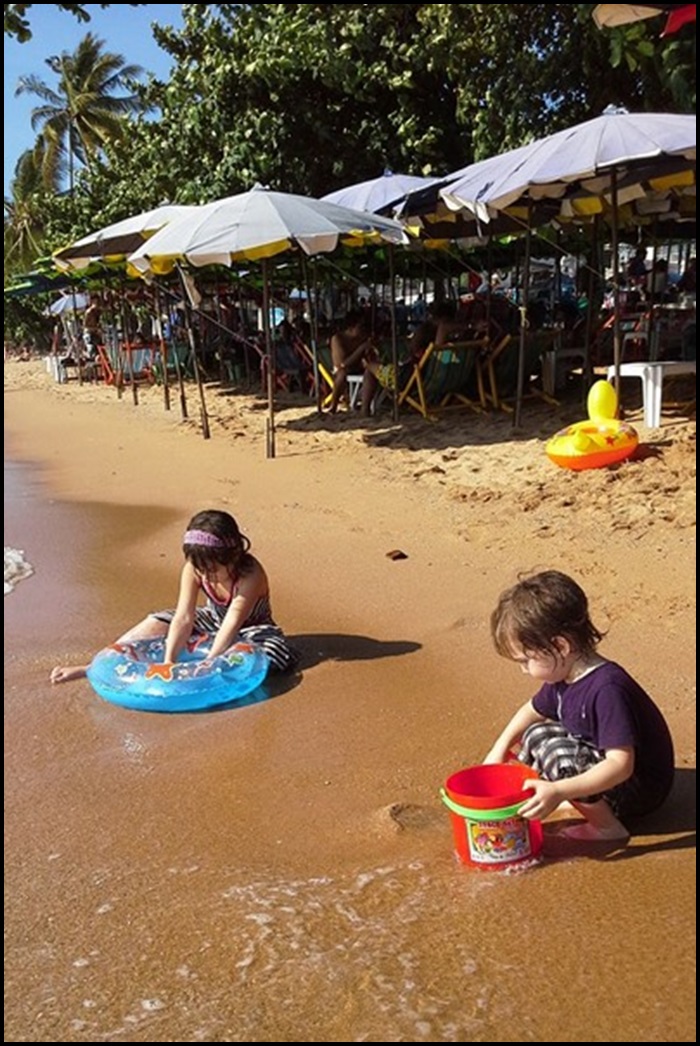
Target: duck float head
600, 440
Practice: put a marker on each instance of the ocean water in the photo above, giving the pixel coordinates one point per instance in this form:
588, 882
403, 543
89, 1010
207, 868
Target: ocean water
17, 490
16, 568
43, 540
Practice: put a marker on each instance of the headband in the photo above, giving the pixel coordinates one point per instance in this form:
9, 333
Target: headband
203, 537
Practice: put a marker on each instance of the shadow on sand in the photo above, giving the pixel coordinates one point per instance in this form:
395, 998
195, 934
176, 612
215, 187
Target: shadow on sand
674, 821
315, 649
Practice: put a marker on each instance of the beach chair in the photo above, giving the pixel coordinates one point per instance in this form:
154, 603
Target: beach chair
442, 377
325, 369
290, 368
177, 358
499, 371
500, 366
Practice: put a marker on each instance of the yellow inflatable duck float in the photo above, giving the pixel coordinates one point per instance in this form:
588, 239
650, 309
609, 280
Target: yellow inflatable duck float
600, 440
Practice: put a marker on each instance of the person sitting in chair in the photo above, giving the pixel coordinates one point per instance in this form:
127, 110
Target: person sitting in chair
349, 346
442, 325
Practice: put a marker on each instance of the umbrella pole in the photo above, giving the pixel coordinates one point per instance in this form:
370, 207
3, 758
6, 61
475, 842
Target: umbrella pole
79, 343
617, 341
162, 347
178, 367
204, 417
523, 322
126, 347
241, 320
219, 315
270, 428
591, 289
313, 327
394, 343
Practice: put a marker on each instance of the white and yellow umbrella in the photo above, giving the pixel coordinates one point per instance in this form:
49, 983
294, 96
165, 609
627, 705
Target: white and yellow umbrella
255, 226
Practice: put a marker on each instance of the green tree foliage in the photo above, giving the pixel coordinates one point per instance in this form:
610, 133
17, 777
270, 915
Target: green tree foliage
310, 97
24, 213
81, 113
17, 25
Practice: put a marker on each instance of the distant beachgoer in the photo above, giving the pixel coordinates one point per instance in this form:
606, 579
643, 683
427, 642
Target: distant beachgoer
592, 733
637, 271
688, 282
218, 565
442, 324
419, 310
657, 280
348, 347
92, 329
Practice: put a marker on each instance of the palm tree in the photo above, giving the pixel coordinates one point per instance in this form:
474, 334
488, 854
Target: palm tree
23, 212
81, 114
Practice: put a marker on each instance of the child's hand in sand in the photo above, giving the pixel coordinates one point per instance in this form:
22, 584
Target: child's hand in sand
65, 673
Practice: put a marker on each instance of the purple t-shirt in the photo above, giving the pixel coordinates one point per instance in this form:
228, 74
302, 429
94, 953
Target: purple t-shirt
608, 709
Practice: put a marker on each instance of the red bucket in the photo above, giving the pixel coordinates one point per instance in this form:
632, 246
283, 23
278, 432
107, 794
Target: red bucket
483, 802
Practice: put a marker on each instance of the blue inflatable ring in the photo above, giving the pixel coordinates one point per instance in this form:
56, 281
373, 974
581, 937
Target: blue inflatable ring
135, 675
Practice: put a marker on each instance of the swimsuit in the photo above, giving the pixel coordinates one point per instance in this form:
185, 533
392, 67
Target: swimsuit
259, 627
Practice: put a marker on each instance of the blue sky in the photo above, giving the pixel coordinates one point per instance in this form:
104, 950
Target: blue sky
125, 30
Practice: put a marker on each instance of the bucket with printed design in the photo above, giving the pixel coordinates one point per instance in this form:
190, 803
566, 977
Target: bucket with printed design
484, 804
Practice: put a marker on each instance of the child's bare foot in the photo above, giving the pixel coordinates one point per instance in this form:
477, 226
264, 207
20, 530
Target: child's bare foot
65, 673
588, 833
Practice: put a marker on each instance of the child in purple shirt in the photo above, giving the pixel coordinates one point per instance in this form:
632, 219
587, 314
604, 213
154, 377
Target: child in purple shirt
595, 737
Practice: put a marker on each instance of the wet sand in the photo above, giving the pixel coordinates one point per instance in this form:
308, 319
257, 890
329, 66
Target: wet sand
284, 871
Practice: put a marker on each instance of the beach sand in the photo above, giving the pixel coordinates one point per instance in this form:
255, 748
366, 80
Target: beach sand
285, 870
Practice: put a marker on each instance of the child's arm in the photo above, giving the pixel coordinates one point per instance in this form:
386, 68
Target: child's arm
616, 767
524, 717
180, 628
250, 588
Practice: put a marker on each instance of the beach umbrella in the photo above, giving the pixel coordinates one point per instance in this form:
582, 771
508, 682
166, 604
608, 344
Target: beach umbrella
592, 158
68, 303
378, 194
256, 226
31, 283
588, 155
611, 15
260, 224
120, 238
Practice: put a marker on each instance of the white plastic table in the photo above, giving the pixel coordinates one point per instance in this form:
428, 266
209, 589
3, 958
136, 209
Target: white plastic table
652, 374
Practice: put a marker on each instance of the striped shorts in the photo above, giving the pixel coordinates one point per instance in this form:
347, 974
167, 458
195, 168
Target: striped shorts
283, 657
555, 754
548, 748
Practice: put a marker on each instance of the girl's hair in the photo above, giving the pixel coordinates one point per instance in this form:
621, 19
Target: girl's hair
213, 539
540, 608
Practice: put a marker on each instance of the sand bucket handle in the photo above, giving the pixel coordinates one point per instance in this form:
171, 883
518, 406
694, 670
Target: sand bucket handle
480, 815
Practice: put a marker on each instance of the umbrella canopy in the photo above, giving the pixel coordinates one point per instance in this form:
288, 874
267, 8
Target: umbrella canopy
378, 194
586, 154
260, 224
611, 15
36, 283
591, 159
68, 303
120, 238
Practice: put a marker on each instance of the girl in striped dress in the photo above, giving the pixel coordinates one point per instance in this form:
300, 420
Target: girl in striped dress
218, 565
